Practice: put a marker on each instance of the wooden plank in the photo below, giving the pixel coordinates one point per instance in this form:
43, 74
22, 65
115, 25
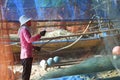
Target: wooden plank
68, 62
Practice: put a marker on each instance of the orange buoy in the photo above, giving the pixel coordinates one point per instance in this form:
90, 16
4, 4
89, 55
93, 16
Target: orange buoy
116, 50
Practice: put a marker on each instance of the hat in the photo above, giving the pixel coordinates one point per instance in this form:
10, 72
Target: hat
24, 19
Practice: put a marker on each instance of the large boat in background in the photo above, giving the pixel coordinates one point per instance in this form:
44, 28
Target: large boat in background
86, 40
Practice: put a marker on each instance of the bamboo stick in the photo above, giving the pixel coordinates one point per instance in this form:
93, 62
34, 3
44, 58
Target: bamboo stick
78, 34
69, 62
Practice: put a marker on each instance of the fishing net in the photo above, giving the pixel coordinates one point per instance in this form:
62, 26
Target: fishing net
109, 42
48, 14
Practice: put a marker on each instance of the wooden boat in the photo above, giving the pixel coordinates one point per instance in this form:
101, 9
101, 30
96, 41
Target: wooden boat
53, 46
90, 41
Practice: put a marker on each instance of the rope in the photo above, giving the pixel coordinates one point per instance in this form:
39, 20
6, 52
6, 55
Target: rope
73, 42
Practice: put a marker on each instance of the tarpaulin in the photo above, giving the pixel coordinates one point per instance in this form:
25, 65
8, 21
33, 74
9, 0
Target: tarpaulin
76, 77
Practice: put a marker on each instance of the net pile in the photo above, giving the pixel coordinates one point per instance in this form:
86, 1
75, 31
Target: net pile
59, 32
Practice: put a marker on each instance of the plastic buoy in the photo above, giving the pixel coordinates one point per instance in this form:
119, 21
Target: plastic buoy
43, 64
56, 59
116, 50
50, 61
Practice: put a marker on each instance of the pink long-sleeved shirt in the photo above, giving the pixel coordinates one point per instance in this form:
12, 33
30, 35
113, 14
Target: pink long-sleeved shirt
26, 42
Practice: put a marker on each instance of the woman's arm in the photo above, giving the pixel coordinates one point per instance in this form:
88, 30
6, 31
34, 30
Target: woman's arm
30, 38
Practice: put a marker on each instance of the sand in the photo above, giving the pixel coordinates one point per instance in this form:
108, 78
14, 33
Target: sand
37, 71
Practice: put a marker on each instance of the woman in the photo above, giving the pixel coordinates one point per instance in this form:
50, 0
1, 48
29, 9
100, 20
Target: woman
26, 45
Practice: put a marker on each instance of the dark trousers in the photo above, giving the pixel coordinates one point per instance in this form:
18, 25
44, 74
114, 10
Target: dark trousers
27, 65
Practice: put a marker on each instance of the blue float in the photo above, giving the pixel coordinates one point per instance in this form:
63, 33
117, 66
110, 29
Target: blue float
56, 59
50, 61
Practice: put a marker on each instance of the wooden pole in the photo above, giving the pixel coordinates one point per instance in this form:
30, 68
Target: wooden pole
78, 34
